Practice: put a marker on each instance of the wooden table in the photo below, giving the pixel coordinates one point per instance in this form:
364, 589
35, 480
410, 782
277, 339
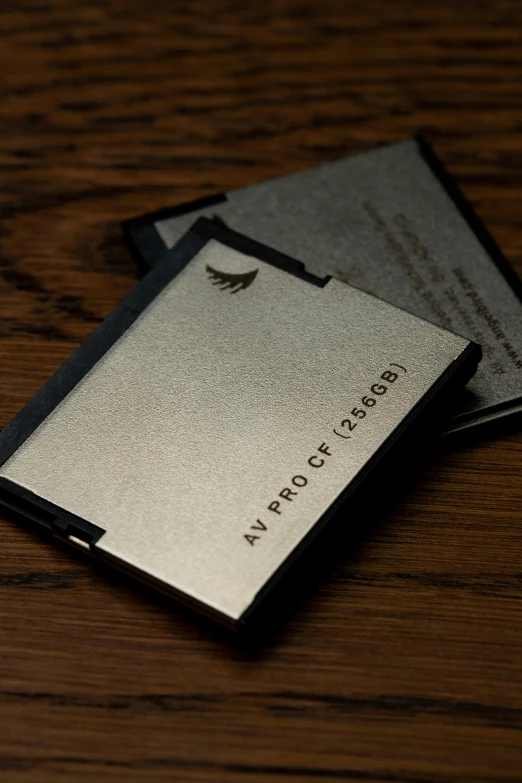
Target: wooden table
403, 664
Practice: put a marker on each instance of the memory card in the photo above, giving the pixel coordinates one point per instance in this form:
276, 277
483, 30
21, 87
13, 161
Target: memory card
221, 416
393, 223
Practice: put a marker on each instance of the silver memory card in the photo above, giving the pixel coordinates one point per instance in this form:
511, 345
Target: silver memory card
392, 223
220, 416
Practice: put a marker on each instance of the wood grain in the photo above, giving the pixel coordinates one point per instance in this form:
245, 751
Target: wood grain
402, 662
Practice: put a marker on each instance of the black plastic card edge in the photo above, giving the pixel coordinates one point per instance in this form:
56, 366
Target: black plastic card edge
54, 519
210, 229
146, 245
500, 409
425, 414
142, 236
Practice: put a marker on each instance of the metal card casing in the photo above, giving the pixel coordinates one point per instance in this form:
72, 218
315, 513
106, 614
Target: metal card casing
232, 402
392, 223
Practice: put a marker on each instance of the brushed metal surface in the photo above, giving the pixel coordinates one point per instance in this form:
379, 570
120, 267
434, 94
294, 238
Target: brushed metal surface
180, 438
381, 221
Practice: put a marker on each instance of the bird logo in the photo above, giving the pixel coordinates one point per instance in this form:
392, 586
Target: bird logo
232, 282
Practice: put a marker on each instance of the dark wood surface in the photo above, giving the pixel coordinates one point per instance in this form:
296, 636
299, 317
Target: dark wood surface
403, 664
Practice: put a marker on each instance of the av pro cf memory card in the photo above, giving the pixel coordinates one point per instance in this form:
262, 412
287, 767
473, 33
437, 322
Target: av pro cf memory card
215, 422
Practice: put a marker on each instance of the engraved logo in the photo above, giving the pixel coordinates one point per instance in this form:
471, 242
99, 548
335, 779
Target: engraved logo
226, 280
